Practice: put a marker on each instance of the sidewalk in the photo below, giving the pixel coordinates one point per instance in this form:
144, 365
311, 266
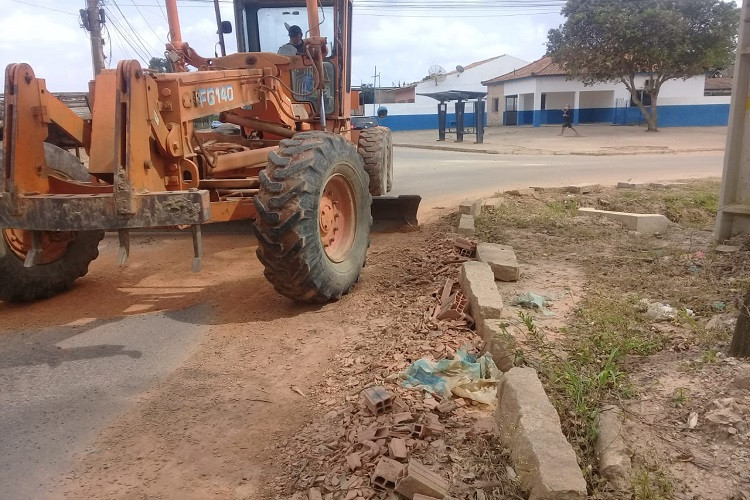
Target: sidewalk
595, 140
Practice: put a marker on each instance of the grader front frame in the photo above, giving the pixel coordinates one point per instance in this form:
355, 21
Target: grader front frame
297, 168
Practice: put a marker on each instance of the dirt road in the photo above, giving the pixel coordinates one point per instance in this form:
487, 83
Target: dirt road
206, 424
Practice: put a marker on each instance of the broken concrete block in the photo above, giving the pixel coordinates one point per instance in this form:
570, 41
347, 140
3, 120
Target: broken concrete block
314, 494
626, 185
502, 260
470, 207
478, 285
642, 223
415, 478
419, 496
610, 449
502, 344
386, 474
397, 449
466, 225
493, 202
529, 425
520, 192
378, 400
582, 188
727, 249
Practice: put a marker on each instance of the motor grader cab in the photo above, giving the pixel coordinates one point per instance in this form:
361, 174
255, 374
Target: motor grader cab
297, 168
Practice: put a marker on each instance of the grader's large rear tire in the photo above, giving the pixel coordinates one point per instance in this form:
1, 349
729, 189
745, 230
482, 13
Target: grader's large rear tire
65, 257
313, 222
375, 145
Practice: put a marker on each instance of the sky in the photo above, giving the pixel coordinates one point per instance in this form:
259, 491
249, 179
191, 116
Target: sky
402, 38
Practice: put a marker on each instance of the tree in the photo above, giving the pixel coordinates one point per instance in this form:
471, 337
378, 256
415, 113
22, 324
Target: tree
741, 340
367, 94
159, 64
615, 40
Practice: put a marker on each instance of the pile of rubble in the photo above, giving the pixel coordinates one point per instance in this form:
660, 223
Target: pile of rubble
383, 440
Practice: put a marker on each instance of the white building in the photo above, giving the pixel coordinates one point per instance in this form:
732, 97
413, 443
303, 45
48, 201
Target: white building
422, 113
536, 93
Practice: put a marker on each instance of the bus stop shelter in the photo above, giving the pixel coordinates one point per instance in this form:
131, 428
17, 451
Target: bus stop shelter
461, 97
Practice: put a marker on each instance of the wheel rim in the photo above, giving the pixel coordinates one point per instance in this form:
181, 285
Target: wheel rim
337, 218
54, 244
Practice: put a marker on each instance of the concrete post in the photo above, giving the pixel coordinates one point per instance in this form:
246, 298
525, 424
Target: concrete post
734, 200
537, 107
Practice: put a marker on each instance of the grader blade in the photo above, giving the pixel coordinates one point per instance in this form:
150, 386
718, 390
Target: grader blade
394, 211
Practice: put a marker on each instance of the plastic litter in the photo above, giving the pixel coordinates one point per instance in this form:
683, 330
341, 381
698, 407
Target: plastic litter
464, 376
531, 300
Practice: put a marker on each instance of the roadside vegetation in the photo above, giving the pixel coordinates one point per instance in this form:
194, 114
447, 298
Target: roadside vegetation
611, 334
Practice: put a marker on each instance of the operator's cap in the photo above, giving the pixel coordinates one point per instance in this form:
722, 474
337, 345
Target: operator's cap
295, 30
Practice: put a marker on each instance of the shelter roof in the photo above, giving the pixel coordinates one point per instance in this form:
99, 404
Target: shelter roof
541, 67
455, 95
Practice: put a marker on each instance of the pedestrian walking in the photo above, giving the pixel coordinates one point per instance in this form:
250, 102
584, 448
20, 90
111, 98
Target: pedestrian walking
567, 120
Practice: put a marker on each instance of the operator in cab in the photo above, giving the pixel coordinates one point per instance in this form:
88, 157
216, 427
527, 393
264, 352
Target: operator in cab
295, 46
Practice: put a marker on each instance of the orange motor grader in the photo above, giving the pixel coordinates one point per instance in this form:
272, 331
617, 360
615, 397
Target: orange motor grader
296, 167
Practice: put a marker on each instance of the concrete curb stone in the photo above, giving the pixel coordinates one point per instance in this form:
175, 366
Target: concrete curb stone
466, 225
610, 449
478, 285
502, 260
641, 223
528, 423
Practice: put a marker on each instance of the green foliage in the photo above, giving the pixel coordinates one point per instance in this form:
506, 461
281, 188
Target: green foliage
159, 64
367, 94
612, 40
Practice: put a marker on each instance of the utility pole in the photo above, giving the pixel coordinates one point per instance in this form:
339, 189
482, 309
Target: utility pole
375, 80
92, 22
220, 31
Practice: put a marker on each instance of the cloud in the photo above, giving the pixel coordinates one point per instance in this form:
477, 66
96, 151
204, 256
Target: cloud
402, 48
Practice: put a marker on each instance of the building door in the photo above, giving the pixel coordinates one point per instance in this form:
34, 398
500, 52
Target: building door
511, 110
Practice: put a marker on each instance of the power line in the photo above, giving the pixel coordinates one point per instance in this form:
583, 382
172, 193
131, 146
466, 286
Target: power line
134, 32
145, 20
46, 8
126, 39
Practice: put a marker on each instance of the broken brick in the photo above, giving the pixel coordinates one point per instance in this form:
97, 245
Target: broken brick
454, 308
415, 478
386, 474
447, 406
418, 430
378, 400
397, 449
353, 461
402, 418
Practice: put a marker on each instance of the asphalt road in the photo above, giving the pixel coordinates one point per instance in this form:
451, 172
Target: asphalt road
443, 177
60, 387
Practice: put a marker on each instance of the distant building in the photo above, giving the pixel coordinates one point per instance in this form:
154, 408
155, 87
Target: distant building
422, 112
536, 93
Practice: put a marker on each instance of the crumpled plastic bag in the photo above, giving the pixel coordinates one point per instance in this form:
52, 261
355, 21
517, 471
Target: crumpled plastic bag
531, 300
464, 376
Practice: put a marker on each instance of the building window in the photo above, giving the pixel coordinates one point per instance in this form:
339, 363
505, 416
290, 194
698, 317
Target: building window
544, 102
495, 104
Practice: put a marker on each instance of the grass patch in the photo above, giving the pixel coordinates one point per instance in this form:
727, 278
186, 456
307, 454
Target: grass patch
585, 371
651, 482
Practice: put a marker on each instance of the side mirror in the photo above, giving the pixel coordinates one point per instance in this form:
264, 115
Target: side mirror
226, 27
382, 112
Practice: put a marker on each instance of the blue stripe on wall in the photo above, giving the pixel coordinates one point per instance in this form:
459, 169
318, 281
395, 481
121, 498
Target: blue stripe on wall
698, 115
424, 122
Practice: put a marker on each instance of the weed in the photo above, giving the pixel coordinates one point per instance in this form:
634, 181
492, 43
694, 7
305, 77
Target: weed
651, 483
710, 356
680, 396
604, 332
